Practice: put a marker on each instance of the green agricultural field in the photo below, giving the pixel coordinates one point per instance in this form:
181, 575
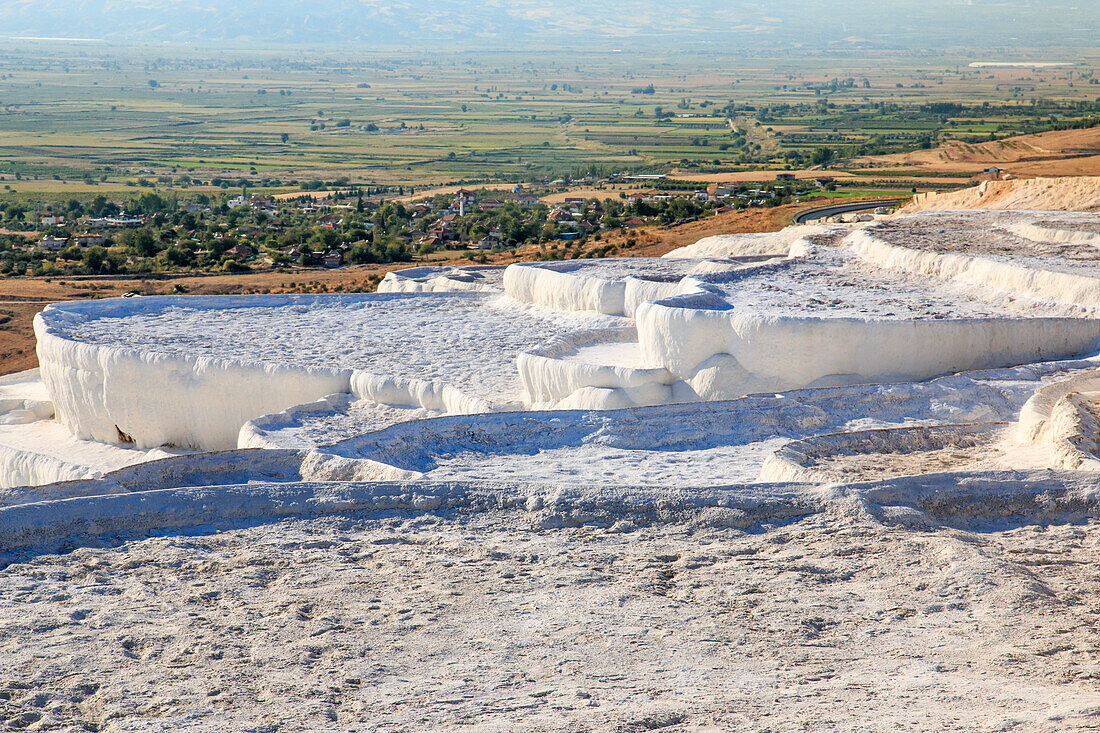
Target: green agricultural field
88, 119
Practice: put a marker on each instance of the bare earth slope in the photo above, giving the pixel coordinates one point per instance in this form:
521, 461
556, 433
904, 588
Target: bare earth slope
1036, 194
1057, 153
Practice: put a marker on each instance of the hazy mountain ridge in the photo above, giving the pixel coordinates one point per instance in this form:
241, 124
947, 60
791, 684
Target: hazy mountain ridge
521, 22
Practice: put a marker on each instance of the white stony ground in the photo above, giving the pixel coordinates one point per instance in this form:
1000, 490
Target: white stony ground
408, 624
999, 236
340, 418
619, 268
684, 445
595, 462
52, 440
568, 570
835, 283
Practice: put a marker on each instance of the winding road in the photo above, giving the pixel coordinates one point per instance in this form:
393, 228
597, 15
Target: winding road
824, 212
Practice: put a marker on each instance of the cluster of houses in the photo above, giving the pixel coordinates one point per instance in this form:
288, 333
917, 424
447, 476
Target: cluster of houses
752, 196
50, 219
575, 215
465, 201
442, 232
265, 204
118, 222
330, 258
50, 243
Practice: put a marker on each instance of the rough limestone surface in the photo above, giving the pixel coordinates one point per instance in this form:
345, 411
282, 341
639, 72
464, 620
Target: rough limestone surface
835, 478
501, 619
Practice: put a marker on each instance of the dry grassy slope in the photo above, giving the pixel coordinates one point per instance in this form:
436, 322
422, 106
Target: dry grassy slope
1044, 194
655, 241
1063, 152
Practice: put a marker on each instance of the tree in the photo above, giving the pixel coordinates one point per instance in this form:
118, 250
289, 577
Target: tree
94, 257
179, 257
822, 156
102, 207
231, 265
153, 84
140, 241
325, 239
284, 137
149, 203
359, 255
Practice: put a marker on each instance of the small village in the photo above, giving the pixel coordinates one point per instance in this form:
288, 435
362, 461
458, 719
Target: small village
158, 232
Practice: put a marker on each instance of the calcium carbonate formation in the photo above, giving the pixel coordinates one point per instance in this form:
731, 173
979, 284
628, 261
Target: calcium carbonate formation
940, 340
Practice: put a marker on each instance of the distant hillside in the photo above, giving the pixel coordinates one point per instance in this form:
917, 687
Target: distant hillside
1062, 152
491, 24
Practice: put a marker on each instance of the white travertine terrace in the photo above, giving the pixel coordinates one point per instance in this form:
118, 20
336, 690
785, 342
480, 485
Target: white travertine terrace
865, 457
485, 279
191, 371
804, 311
